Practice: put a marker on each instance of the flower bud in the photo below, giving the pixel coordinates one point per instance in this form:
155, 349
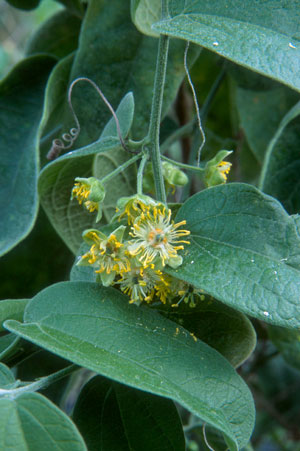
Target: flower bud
216, 169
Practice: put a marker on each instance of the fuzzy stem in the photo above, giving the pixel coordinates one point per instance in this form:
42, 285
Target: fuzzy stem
121, 168
183, 165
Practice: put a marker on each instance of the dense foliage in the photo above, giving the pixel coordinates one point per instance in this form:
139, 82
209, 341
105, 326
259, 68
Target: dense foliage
160, 139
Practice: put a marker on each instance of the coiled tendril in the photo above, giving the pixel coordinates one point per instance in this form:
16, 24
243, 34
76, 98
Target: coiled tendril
68, 139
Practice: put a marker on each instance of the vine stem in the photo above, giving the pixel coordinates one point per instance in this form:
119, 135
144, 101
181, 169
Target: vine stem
121, 168
40, 383
183, 165
140, 173
155, 118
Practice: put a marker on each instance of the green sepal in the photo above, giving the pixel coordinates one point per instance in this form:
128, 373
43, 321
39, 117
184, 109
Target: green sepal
107, 279
175, 262
99, 213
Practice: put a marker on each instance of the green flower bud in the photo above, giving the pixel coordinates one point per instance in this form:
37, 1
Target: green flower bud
174, 176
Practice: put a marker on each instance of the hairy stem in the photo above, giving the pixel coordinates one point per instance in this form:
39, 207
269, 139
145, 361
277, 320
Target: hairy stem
121, 168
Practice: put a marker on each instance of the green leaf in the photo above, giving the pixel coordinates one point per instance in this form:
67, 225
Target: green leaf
24, 4
288, 343
144, 13
7, 379
8, 343
97, 328
125, 113
118, 59
12, 309
21, 100
260, 35
32, 422
141, 421
260, 113
57, 36
224, 329
242, 252
280, 173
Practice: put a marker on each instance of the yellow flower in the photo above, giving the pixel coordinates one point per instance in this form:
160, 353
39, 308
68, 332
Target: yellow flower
133, 206
106, 253
224, 168
90, 192
155, 236
144, 283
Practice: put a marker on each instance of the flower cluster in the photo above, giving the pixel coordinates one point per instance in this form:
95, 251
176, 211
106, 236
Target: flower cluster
133, 257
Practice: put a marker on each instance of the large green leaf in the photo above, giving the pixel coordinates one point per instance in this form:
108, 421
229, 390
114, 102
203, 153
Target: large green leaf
242, 252
12, 309
260, 35
228, 331
280, 174
141, 421
119, 59
97, 328
57, 36
32, 422
21, 101
260, 113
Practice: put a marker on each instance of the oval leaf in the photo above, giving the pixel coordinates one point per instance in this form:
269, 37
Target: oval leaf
31, 421
260, 35
242, 252
141, 420
97, 328
21, 102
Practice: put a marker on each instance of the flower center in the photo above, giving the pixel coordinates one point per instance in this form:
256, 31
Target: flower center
156, 237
